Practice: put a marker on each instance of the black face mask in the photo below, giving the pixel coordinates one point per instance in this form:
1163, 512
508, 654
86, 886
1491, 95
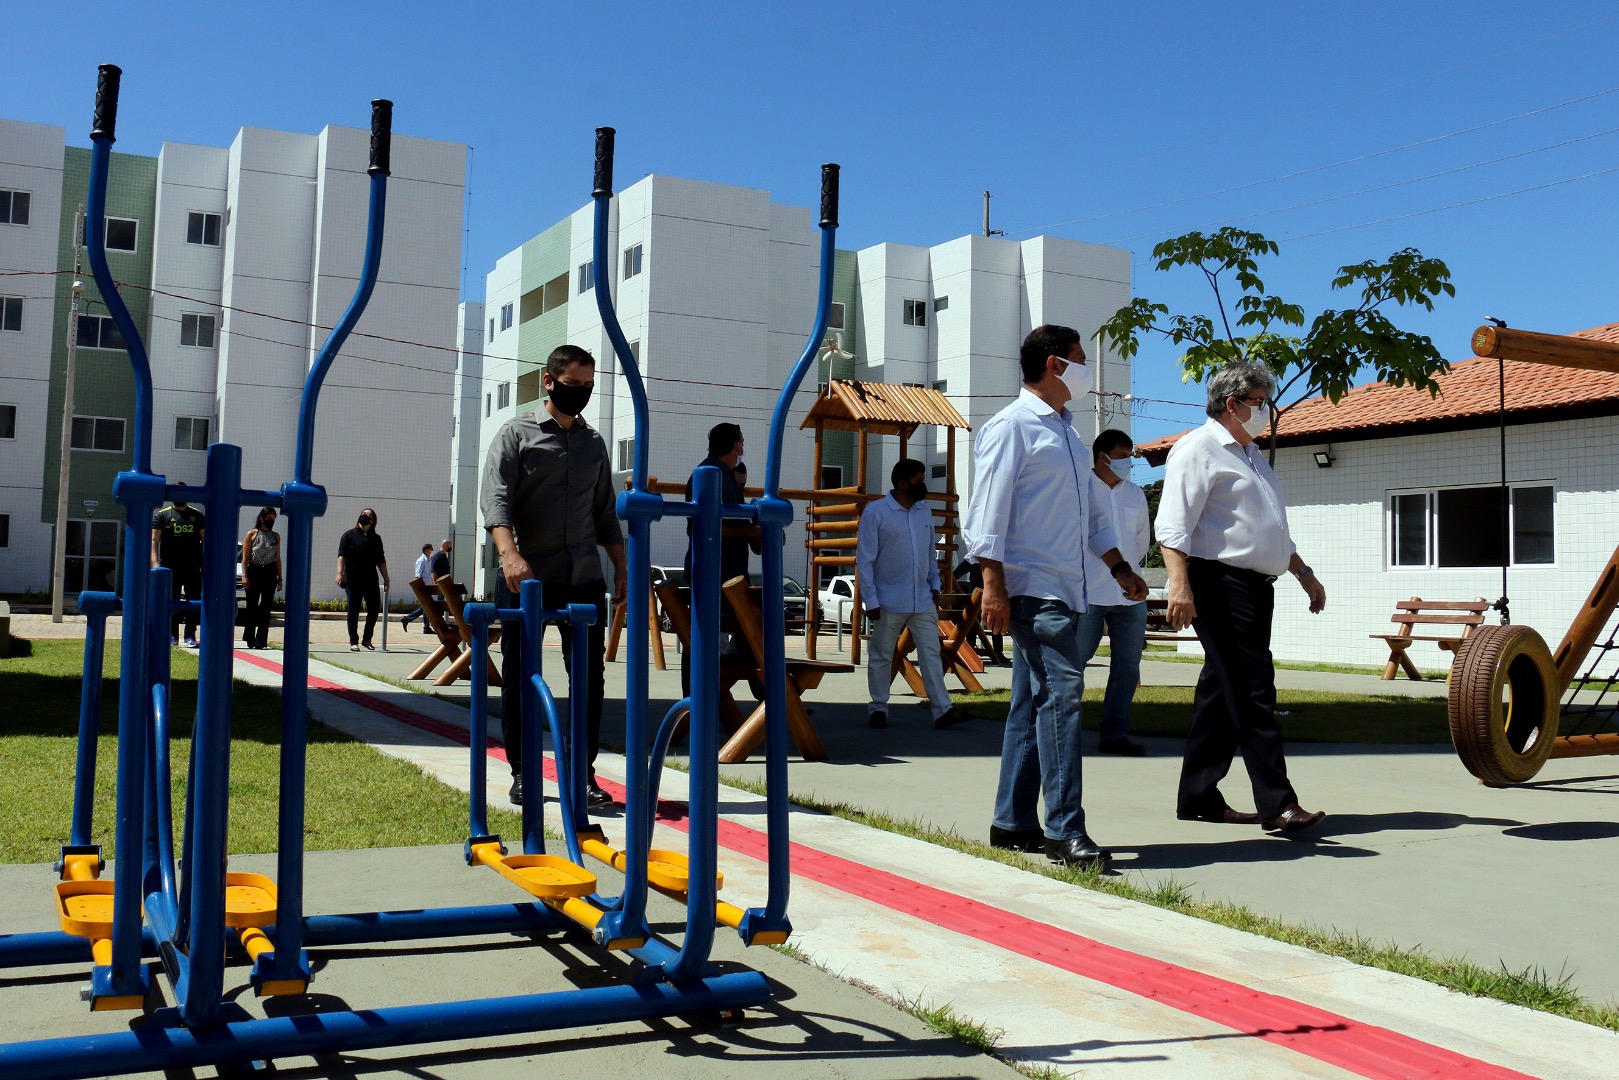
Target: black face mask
570, 400
917, 491
365, 519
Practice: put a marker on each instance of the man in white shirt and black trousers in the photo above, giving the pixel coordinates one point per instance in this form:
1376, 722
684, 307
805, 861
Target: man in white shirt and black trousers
898, 567
1029, 526
1222, 525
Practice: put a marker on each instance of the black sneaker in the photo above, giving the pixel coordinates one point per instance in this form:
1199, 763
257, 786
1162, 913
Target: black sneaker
950, 718
595, 797
878, 719
1029, 840
516, 792
1123, 747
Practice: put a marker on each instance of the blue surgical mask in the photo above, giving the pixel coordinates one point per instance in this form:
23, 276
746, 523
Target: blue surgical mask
1121, 466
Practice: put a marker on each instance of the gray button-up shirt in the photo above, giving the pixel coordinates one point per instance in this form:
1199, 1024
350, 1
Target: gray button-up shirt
552, 485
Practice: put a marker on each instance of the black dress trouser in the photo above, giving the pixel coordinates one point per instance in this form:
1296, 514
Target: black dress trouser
185, 582
556, 594
260, 598
1234, 707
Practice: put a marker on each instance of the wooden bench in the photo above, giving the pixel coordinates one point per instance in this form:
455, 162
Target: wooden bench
1461, 615
956, 653
454, 596
746, 733
1158, 628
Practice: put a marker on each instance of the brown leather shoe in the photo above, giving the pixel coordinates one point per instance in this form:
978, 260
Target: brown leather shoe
1292, 819
1224, 816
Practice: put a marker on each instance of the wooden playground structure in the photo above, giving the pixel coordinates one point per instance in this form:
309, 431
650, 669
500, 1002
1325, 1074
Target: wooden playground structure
1509, 692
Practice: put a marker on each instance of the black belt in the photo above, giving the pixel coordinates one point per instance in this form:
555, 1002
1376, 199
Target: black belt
1239, 570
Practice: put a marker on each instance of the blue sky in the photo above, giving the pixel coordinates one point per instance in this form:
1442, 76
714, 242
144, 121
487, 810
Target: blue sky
1120, 124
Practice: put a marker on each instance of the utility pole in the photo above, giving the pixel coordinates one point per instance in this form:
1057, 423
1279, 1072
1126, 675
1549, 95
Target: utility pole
64, 466
987, 230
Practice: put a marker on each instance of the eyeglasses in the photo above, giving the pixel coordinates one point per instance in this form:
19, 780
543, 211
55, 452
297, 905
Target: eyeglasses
1260, 404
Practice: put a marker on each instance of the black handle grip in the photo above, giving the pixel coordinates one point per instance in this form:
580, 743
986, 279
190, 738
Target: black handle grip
604, 162
382, 134
106, 120
829, 195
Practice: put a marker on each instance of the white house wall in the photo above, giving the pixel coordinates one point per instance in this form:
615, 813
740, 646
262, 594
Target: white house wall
32, 162
1339, 519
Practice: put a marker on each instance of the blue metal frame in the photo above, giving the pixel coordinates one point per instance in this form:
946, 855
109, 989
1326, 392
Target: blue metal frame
184, 919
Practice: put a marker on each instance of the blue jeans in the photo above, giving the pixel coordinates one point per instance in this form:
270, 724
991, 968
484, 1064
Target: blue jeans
1040, 750
1126, 626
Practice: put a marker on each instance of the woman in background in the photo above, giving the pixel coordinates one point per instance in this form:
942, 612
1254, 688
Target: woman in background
261, 573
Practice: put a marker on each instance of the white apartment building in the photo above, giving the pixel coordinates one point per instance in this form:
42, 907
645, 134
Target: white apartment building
237, 261
715, 287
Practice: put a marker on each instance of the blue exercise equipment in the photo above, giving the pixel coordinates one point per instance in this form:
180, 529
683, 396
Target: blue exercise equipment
188, 914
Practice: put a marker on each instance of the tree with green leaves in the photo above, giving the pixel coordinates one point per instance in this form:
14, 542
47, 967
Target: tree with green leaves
1255, 325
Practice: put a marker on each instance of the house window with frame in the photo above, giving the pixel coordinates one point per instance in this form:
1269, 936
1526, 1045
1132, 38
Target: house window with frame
834, 319
587, 276
1460, 527
916, 312
831, 477
506, 317
632, 260
939, 472
488, 404
11, 313
491, 329
99, 332
197, 331
8, 421
942, 385
191, 432
100, 433
503, 395
940, 303
123, 234
202, 227
14, 206
626, 454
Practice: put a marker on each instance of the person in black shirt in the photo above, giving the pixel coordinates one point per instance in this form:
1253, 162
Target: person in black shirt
177, 544
725, 447
359, 560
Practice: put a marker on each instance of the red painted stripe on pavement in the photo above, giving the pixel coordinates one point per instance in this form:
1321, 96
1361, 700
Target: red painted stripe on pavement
1365, 1049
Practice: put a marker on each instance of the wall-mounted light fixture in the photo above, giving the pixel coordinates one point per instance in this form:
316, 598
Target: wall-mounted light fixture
1323, 457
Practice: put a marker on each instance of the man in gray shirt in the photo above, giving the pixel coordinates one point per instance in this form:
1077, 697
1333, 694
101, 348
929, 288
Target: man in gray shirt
548, 504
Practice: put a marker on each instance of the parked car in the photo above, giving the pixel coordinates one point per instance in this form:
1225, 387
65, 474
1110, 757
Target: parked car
676, 574
837, 599
795, 602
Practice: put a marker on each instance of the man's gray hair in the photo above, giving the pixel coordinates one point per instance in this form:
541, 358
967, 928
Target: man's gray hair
1238, 379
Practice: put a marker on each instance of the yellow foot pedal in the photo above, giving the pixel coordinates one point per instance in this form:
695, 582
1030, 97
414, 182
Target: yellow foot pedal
549, 877
670, 870
84, 908
249, 901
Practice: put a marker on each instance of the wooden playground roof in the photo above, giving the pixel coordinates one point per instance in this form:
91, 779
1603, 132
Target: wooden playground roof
881, 408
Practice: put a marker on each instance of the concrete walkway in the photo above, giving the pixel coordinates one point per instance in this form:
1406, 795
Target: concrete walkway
1076, 979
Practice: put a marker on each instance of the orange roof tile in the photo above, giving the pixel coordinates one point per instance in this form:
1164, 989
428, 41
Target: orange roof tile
884, 408
1469, 395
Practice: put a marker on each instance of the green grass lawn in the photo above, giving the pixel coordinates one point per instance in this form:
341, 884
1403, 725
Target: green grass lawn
357, 797
1312, 715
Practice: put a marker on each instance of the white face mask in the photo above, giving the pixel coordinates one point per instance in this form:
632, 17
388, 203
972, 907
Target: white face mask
1079, 378
1121, 466
1258, 421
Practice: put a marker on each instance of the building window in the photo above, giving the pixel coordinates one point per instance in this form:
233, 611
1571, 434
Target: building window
939, 472
503, 395
831, 477
942, 385
491, 329
98, 433
916, 313
941, 303
635, 350
197, 331
122, 233
8, 421
587, 276
488, 404
5, 530
11, 313
632, 261
203, 228
834, 320
506, 317
1460, 527
191, 432
99, 332
14, 206
626, 454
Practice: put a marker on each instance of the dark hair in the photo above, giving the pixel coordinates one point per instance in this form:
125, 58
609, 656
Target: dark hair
364, 514
722, 437
1109, 441
262, 511
426, 548
1044, 341
904, 468
564, 357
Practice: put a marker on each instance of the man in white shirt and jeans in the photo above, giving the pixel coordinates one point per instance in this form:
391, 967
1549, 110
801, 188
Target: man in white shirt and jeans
1109, 610
1222, 525
1029, 526
420, 574
898, 566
